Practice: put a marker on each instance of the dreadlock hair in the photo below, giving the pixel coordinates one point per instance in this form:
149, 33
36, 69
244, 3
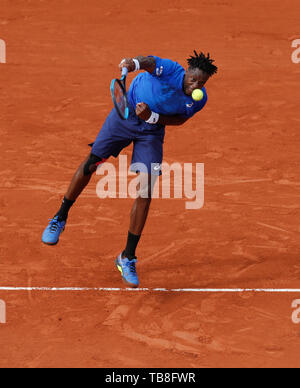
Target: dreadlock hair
202, 62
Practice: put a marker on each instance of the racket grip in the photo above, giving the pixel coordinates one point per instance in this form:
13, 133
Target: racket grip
124, 71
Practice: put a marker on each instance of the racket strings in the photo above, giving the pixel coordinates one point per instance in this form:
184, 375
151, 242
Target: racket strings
120, 98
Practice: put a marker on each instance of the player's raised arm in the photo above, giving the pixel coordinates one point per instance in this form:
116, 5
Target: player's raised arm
139, 63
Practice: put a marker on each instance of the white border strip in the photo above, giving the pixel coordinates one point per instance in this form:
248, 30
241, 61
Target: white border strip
199, 290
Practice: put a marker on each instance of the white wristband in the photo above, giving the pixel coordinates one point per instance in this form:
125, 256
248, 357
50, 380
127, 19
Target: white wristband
137, 64
153, 118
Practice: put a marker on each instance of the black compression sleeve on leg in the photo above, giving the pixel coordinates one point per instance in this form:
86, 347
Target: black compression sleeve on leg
91, 165
132, 243
65, 208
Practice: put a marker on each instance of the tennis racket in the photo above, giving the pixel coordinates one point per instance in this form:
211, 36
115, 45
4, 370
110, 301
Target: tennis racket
119, 95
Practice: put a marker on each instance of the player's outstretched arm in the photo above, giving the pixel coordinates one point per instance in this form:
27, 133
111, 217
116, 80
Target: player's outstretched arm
144, 63
171, 120
143, 111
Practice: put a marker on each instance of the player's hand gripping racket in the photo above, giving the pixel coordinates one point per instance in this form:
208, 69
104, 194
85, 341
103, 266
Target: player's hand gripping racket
119, 95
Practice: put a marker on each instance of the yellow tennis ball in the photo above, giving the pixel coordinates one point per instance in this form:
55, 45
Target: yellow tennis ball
197, 95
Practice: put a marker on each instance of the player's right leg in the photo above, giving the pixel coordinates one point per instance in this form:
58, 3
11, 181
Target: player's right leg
80, 180
113, 137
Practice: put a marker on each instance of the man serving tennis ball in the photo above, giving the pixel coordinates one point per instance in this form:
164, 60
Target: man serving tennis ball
165, 94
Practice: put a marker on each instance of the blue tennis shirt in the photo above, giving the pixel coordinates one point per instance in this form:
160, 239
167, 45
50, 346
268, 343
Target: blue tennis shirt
163, 91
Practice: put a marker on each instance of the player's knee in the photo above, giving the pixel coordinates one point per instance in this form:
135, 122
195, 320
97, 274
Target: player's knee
92, 164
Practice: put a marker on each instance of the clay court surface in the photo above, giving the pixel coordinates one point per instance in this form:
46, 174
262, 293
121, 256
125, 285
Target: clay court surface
54, 96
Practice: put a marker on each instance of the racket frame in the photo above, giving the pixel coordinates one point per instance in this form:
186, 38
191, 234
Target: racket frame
122, 84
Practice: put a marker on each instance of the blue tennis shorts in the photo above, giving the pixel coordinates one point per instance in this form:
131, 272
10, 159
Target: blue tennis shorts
147, 139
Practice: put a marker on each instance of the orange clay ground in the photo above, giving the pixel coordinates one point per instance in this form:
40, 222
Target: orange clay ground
54, 97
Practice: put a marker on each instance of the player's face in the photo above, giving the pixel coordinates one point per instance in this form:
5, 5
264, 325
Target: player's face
194, 79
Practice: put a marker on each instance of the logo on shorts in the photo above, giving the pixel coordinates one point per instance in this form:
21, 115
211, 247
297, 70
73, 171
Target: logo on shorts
157, 167
190, 105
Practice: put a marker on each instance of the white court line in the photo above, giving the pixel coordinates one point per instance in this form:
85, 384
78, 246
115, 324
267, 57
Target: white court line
199, 290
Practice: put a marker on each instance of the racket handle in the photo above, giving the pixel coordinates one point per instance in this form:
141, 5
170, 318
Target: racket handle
124, 71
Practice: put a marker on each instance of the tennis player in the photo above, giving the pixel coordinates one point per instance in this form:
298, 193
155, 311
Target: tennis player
158, 97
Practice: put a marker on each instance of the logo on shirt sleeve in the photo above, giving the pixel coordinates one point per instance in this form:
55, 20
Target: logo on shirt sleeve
159, 71
190, 105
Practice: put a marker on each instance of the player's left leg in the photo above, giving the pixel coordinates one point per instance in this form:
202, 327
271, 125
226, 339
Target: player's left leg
113, 137
126, 261
139, 212
146, 159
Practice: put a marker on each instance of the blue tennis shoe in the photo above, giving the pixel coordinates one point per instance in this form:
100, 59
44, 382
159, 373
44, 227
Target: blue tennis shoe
128, 271
53, 231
